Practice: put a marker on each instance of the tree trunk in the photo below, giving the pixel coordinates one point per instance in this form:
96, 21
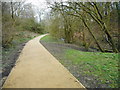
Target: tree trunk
111, 42
118, 11
12, 12
93, 36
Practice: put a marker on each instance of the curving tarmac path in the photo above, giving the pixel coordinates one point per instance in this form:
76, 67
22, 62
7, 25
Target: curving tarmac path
37, 68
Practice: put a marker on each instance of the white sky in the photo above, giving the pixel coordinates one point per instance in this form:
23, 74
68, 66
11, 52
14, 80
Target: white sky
38, 4
41, 5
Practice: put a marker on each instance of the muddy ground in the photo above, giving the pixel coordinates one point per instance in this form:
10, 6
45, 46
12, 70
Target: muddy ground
10, 54
57, 50
9, 60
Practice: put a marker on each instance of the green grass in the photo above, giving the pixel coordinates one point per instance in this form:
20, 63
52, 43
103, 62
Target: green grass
49, 38
102, 65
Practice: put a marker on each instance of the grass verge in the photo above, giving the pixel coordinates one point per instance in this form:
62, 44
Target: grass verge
49, 38
103, 66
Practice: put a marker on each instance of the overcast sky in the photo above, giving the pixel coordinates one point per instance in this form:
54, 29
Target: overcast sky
41, 5
38, 5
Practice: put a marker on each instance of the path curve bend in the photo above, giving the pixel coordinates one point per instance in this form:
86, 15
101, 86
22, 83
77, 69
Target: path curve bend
37, 68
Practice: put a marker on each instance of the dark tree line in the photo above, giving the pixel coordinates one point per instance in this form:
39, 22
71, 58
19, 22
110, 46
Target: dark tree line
99, 19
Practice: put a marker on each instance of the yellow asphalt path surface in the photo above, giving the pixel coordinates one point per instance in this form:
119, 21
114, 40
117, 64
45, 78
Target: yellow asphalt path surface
37, 68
